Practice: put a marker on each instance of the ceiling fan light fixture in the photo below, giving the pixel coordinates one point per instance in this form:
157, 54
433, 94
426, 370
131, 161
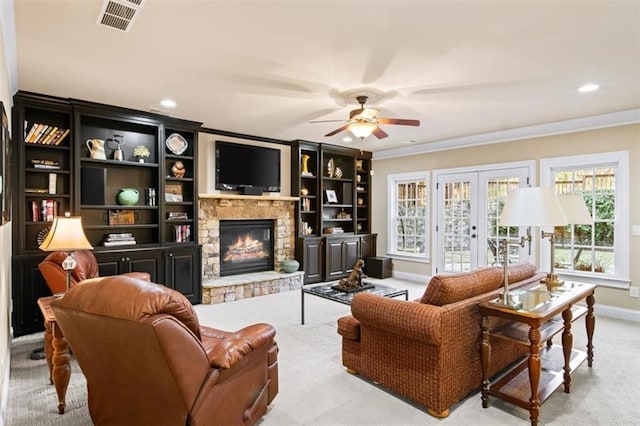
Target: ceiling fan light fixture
362, 129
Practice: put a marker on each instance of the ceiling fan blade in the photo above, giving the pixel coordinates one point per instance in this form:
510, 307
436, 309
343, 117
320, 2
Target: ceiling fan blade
338, 130
401, 121
379, 133
327, 121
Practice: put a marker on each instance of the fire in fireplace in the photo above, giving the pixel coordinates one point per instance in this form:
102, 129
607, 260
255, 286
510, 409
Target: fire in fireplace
245, 246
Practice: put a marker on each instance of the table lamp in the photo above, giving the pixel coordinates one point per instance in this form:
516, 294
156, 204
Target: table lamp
66, 235
537, 206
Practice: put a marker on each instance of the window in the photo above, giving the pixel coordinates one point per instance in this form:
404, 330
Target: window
598, 250
407, 225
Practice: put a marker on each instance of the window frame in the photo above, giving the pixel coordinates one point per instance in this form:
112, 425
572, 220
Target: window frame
619, 160
392, 181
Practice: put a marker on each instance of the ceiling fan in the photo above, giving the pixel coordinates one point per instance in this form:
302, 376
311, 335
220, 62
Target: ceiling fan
363, 122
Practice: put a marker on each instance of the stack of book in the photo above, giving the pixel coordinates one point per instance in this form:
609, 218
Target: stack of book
45, 164
123, 239
334, 230
177, 216
44, 211
182, 233
44, 134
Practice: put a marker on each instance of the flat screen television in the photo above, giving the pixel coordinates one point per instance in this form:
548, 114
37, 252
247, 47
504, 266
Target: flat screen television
247, 168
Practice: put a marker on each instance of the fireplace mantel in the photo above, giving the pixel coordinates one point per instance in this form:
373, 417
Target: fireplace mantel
246, 197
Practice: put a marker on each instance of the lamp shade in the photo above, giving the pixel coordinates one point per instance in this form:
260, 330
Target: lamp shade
574, 209
66, 235
362, 129
537, 206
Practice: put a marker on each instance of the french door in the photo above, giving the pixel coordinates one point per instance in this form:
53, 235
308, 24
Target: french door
468, 205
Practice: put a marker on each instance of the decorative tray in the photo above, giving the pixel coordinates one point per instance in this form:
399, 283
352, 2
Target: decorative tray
176, 143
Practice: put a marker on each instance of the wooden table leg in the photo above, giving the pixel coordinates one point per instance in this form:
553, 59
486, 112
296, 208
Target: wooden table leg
61, 367
567, 346
48, 348
534, 374
590, 320
485, 358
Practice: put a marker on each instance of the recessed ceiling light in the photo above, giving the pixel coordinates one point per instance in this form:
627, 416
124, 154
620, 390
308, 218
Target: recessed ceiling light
588, 88
347, 139
168, 103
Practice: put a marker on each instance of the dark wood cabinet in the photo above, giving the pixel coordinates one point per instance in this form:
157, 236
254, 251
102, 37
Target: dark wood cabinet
150, 154
28, 286
340, 255
309, 251
333, 217
149, 261
183, 271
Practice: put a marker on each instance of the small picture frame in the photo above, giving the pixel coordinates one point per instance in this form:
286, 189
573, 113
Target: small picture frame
173, 193
331, 196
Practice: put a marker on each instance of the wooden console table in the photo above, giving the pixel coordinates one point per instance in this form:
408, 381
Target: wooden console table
534, 325
56, 352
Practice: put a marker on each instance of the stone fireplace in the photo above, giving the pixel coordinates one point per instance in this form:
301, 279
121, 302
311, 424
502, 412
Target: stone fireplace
215, 209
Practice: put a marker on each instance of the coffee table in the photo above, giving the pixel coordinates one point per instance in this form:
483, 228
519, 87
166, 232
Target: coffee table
326, 292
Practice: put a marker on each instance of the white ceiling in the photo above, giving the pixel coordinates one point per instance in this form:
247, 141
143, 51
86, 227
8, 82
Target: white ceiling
266, 68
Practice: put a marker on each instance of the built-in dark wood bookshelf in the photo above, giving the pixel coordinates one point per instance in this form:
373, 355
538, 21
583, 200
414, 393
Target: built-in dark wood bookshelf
162, 226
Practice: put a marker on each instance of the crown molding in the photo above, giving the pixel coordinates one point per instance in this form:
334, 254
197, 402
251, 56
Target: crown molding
612, 119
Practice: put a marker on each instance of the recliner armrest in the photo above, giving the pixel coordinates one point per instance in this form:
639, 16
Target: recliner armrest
236, 346
138, 275
413, 320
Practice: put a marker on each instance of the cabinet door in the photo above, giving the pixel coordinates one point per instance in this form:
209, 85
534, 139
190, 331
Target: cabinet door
351, 253
149, 261
183, 272
334, 259
28, 286
368, 245
312, 262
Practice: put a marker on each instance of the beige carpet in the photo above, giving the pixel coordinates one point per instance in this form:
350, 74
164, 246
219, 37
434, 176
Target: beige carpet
316, 390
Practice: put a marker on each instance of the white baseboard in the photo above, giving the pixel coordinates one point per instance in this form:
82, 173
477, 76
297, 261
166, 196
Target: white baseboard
424, 279
4, 393
617, 313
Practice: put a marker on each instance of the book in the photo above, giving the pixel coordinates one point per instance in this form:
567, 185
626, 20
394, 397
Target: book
45, 162
118, 243
36, 190
53, 179
41, 132
34, 133
46, 166
28, 135
46, 138
58, 139
35, 211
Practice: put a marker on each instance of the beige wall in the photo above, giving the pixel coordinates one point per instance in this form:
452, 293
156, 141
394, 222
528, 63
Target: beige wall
207, 163
623, 138
5, 261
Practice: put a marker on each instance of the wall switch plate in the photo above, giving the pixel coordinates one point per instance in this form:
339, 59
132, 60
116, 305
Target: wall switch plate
635, 230
634, 291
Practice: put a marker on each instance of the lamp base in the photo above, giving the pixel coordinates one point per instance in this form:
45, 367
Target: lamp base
552, 282
507, 301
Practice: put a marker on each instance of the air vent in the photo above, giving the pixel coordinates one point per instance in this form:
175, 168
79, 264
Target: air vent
119, 14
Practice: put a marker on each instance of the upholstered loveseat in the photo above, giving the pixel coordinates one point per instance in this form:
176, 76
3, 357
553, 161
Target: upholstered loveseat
427, 350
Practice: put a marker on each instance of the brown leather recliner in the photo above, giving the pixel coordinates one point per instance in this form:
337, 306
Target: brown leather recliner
148, 361
87, 267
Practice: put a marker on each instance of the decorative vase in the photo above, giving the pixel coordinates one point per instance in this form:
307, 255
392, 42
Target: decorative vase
304, 191
338, 173
128, 196
178, 169
330, 167
289, 265
305, 169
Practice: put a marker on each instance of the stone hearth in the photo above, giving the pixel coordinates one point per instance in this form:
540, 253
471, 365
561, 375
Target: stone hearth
216, 207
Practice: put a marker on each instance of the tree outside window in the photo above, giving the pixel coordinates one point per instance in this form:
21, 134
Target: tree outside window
408, 215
